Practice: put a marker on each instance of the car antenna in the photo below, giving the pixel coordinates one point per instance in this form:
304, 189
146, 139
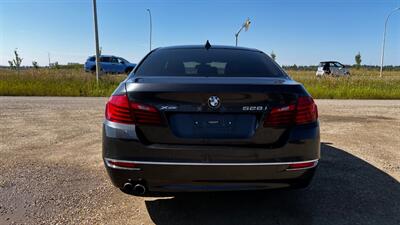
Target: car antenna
207, 45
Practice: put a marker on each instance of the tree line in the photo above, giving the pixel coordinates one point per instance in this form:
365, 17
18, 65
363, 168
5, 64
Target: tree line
15, 63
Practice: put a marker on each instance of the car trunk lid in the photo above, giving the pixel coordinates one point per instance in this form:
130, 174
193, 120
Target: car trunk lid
189, 116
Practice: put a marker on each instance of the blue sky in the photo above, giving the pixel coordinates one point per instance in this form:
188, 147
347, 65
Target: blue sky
299, 32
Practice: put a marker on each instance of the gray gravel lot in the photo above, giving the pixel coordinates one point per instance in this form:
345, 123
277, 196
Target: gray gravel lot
51, 172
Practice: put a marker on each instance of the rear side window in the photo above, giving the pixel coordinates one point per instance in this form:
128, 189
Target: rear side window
114, 60
105, 59
121, 60
338, 65
212, 62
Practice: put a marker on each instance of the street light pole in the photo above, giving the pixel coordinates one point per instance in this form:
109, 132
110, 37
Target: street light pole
245, 25
151, 26
96, 39
237, 35
48, 55
384, 39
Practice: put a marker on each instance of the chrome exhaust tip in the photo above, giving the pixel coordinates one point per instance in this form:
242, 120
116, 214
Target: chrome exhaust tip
127, 187
139, 189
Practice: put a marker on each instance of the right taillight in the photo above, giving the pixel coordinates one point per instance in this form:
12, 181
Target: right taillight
305, 111
120, 110
281, 116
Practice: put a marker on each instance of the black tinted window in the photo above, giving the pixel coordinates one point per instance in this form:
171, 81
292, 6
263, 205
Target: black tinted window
338, 65
121, 60
212, 62
105, 59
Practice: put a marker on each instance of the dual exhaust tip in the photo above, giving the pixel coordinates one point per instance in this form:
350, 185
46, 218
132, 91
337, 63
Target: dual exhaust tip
137, 189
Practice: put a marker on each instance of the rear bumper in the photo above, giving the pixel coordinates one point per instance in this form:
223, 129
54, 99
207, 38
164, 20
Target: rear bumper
180, 168
194, 177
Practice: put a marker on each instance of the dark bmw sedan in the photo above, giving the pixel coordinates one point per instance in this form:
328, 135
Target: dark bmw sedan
209, 118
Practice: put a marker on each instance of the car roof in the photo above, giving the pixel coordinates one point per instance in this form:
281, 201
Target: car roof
212, 47
329, 62
105, 56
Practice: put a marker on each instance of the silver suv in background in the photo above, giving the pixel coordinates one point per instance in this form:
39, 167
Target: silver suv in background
332, 68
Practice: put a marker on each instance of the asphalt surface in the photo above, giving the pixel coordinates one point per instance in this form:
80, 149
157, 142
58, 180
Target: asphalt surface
51, 172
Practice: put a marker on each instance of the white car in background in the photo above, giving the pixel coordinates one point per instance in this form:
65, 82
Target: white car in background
332, 68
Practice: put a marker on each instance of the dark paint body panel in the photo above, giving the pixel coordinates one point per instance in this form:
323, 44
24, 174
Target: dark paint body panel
303, 144
174, 157
160, 144
191, 95
167, 178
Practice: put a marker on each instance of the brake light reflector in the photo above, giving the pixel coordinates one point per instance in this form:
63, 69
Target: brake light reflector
120, 110
302, 165
305, 111
112, 163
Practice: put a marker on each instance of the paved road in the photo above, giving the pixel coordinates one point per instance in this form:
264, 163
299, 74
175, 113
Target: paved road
51, 172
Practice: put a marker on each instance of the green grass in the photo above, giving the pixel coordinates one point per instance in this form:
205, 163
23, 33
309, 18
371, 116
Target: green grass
56, 82
362, 84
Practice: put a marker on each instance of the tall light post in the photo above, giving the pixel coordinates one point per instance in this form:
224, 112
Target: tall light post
384, 39
96, 39
151, 26
245, 25
48, 55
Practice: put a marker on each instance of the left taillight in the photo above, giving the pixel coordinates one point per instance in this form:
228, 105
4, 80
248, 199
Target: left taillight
117, 110
145, 114
120, 110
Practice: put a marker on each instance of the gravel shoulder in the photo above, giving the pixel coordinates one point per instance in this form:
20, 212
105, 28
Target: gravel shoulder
51, 171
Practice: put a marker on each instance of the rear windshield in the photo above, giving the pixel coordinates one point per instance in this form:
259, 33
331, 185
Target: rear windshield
212, 62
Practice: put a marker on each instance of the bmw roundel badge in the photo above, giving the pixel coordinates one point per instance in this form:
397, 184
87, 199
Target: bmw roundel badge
214, 102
